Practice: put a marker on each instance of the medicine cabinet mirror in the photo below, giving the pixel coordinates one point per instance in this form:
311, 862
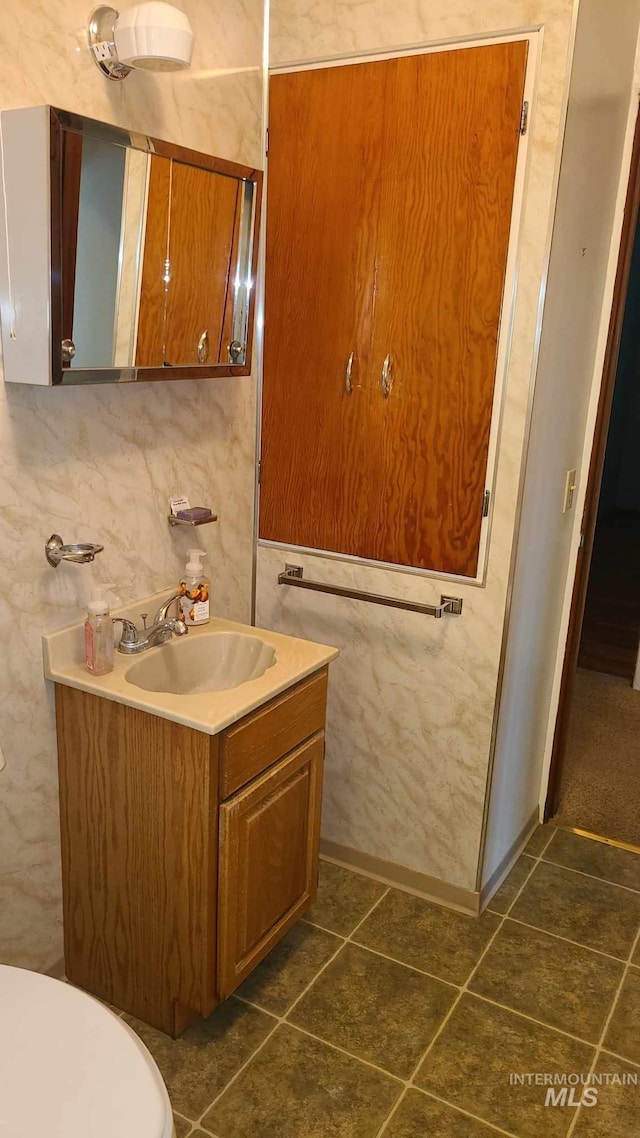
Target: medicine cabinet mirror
148, 253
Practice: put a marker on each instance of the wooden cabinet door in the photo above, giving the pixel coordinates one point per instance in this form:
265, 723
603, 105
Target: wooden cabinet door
324, 143
268, 860
190, 242
446, 196
202, 224
434, 142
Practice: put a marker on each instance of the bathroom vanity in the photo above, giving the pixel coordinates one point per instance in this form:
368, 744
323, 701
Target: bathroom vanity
190, 822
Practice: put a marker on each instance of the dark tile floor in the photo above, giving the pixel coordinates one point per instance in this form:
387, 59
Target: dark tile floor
384, 1016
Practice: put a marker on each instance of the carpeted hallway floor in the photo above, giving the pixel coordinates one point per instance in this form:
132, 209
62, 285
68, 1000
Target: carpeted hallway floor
600, 786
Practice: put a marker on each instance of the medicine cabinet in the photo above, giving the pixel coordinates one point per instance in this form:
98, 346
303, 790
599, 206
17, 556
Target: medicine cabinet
124, 258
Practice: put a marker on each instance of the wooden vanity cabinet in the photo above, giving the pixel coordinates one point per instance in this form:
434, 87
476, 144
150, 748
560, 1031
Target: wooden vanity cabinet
185, 856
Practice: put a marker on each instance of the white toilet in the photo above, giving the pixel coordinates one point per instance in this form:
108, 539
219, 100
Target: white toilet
70, 1068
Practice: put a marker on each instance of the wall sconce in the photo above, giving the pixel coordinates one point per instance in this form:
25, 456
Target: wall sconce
153, 36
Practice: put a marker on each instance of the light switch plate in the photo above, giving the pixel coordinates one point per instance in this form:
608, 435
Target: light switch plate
569, 491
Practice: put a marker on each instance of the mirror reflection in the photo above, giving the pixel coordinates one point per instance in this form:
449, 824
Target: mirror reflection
156, 259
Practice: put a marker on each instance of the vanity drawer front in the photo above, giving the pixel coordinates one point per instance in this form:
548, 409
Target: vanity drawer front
263, 737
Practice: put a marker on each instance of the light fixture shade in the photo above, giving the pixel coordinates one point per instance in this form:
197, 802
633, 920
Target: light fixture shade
154, 36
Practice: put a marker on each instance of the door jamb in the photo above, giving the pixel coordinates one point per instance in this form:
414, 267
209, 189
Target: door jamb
594, 482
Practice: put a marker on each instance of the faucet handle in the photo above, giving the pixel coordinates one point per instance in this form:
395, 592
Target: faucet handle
129, 630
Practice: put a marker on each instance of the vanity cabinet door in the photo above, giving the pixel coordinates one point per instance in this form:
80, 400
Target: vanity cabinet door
268, 860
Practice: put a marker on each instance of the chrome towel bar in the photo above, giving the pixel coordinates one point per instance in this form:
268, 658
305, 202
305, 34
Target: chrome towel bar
293, 575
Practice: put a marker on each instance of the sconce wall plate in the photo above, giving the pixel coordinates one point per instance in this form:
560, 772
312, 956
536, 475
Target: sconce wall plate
102, 43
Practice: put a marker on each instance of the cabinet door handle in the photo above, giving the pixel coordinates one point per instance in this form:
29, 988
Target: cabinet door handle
203, 347
348, 386
386, 379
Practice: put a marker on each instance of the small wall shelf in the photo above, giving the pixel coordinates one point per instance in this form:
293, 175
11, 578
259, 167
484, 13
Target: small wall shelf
174, 521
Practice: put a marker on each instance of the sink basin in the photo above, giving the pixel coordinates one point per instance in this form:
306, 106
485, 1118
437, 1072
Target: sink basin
214, 662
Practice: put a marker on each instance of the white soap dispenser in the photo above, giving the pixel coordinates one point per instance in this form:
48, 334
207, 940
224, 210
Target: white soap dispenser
194, 590
98, 635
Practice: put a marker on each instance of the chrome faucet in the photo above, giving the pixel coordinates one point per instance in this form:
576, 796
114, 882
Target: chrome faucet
134, 640
163, 611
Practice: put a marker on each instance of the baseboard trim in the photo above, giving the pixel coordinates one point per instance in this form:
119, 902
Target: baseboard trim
410, 880
509, 859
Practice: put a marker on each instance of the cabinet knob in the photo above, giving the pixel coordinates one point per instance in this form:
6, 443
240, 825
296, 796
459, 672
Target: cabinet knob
386, 378
348, 388
203, 347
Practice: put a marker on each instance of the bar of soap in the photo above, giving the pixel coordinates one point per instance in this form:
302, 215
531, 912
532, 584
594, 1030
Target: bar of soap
194, 514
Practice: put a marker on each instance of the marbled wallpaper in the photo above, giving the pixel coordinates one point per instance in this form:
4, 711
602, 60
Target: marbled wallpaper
411, 700
100, 463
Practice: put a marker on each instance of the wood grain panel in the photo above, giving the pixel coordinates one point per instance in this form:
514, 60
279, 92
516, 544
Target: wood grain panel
446, 201
269, 841
390, 197
201, 232
325, 130
263, 737
138, 799
153, 288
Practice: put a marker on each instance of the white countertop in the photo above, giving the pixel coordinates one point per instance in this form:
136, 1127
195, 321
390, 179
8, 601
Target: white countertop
211, 712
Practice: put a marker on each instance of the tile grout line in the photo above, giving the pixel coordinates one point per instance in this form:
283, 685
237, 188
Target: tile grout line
462, 989
480, 995
532, 1019
394, 1109
342, 1050
282, 1019
403, 963
539, 856
457, 1109
616, 1055
183, 1118
593, 876
600, 1045
502, 917
468, 1114
566, 939
314, 925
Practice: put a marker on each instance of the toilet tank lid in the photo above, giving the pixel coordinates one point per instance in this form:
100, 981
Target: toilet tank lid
70, 1068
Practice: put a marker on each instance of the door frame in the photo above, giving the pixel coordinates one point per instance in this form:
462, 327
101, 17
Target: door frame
594, 481
534, 35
